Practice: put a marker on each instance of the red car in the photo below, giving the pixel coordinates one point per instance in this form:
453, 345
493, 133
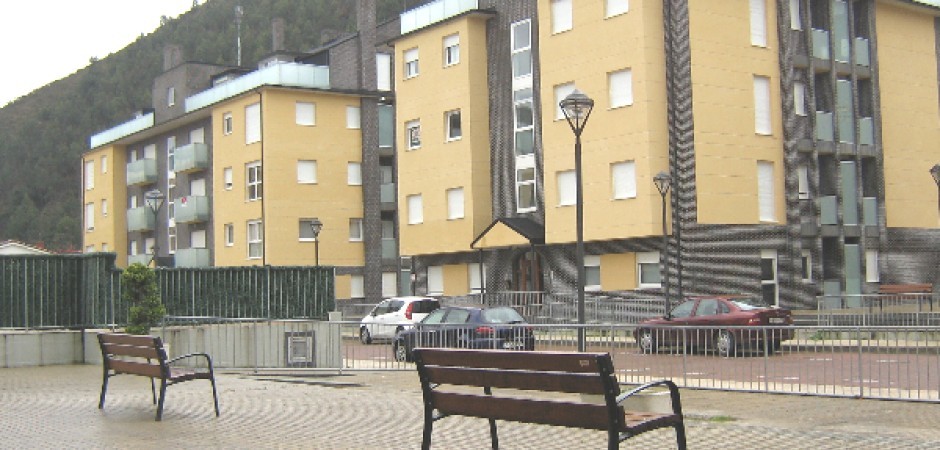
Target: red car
723, 324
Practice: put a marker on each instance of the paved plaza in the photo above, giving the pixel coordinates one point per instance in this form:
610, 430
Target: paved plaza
56, 407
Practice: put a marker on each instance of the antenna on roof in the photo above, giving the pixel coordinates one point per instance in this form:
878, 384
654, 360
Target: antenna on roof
239, 12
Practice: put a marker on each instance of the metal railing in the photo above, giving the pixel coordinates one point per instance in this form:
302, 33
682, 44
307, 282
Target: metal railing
908, 309
901, 363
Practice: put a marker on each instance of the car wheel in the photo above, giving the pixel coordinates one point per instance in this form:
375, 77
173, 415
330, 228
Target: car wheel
364, 336
725, 343
401, 352
774, 347
647, 341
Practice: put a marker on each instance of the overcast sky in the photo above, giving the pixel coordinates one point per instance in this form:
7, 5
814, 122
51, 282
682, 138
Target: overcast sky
42, 41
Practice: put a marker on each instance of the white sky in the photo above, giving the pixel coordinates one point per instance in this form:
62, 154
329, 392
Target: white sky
42, 41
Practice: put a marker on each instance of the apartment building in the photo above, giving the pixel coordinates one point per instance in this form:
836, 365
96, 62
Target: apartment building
797, 133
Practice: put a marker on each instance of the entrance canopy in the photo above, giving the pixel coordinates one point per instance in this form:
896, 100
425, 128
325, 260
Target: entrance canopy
510, 232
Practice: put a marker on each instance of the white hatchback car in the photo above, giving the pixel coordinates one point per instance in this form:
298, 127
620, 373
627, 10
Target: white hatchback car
393, 315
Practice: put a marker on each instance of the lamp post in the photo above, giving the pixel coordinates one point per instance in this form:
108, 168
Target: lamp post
577, 108
935, 173
663, 182
154, 200
316, 226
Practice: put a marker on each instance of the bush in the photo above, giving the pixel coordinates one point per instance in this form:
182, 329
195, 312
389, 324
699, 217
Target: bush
139, 288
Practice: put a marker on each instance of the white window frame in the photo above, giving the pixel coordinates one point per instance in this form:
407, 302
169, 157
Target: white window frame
306, 171
796, 21
620, 88
455, 203
255, 238
562, 16
132, 249
771, 255
89, 216
872, 275
415, 209
473, 278
104, 164
802, 182
171, 239
413, 134
623, 180
758, 15
592, 263
453, 133
355, 229
252, 123
806, 265
762, 108
645, 259
171, 158
227, 123
305, 114
305, 230
228, 231
354, 173
616, 8
89, 175
522, 99
356, 289
197, 238
766, 191
435, 280
526, 164
799, 99
253, 181
171, 96
383, 69
104, 207
561, 91
353, 118
389, 284
567, 187
197, 136
451, 50
410, 58
517, 50
227, 180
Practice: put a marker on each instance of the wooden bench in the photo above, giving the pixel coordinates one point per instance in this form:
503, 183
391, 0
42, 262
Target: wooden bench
905, 289
446, 373
145, 356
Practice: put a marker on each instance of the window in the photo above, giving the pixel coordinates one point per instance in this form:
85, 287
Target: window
411, 63
89, 175
132, 202
104, 207
90, 249
104, 164
413, 134
305, 233
617, 7
355, 230
197, 239
415, 209
306, 172
104, 247
132, 248
89, 216
227, 178
171, 239
455, 205
802, 182
353, 118
150, 151
229, 232
524, 122
227, 123
592, 273
253, 123
435, 280
356, 286
451, 50
765, 191
476, 278
647, 268
255, 239
768, 276
796, 22
389, 284
623, 179
799, 99
762, 105
871, 266
383, 70
197, 136
561, 16
567, 189
525, 188
620, 86
305, 113
758, 23
452, 119
561, 91
354, 174
253, 180
170, 157
170, 96
521, 49
806, 265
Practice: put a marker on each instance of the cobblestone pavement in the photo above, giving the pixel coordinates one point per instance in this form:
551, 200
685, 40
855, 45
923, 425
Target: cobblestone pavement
56, 407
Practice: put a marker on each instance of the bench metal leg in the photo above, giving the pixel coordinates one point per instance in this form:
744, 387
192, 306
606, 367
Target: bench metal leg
153, 391
215, 396
104, 389
162, 396
680, 436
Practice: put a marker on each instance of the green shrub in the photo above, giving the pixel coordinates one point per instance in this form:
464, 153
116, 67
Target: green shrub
139, 288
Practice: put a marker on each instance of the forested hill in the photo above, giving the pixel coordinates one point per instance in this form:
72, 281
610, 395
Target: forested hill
43, 134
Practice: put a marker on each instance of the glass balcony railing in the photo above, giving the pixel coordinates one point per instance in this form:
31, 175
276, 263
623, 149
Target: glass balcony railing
820, 44
191, 158
828, 210
191, 257
191, 209
824, 126
141, 172
139, 219
128, 128
433, 12
388, 193
866, 131
386, 126
389, 248
143, 258
870, 211
285, 74
862, 52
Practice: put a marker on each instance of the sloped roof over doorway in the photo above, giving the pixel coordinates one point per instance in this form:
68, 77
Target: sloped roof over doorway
510, 232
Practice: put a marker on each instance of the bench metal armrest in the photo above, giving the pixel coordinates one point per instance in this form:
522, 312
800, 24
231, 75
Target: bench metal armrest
192, 355
673, 394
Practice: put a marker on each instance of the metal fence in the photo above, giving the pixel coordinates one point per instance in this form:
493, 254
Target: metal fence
901, 363
913, 309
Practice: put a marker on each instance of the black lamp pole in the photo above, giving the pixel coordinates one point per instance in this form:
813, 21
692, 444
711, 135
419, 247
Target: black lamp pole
154, 200
663, 182
316, 226
577, 108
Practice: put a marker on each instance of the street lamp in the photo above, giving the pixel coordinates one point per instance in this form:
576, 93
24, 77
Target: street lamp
154, 200
935, 173
577, 108
316, 226
663, 182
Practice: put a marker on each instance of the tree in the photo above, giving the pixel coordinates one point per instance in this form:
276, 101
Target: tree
139, 287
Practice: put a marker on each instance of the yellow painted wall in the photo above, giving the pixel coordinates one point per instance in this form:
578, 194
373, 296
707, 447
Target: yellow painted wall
633, 40
618, 271
910, 129
439, 165
110, 186
727, 147
456, 281
342, 286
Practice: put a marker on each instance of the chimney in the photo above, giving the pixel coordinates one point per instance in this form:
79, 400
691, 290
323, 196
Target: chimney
277, 34
172, 57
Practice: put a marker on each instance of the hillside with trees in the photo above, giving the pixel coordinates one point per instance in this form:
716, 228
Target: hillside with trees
44, 133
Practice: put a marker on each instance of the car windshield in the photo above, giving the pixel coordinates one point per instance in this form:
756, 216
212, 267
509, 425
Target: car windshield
501, 315
750, 303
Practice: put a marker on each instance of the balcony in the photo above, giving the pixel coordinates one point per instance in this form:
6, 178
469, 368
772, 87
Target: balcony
387, 196
142, 172
870, 211
866, 131
286, 74
192, 257
143, 258
862, 52
821, 44
389, 249
191, 158
128, 128
828, 210
824, 126
386, 130
434, 12
191, 209
139, 219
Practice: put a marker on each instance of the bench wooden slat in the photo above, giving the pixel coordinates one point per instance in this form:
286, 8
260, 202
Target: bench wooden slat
577, 383
579, 415
129, 339
514, 360
131, 350
135, 368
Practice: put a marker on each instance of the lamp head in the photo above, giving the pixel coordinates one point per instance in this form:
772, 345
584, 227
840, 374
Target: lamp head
663, 181
316, 226
935, 172
577, 108
154, 199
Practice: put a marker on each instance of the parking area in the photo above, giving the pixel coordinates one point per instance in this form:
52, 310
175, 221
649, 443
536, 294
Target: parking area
56, 407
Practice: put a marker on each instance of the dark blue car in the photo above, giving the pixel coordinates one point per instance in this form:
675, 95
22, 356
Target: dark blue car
498, 328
